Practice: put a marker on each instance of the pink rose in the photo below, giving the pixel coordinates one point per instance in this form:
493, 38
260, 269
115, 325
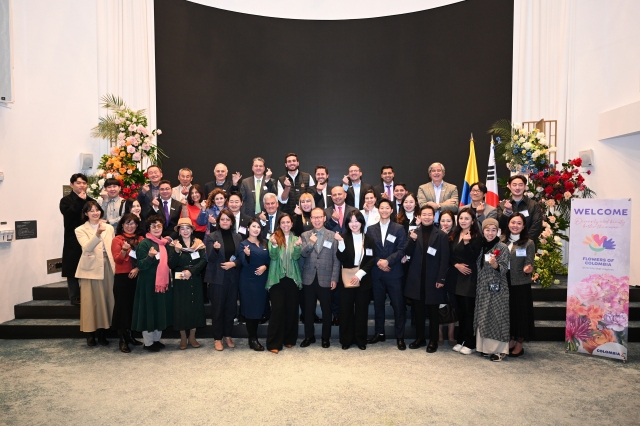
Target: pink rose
132, 128
589, 292
146, 146
131, 149
114, 150
136, 156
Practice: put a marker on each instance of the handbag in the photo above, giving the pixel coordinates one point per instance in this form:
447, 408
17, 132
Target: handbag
348, 273
448, 313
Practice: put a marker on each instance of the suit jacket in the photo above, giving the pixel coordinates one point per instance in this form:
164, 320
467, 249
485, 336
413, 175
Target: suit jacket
448, 196
145, 200
248, 193
368, 262
175, 209
327, 202
244, 222
91, 265
331, 224
517, 263
227, 187
351, 195
393, 252
265, 225
380, 189
436, 268
532, 220
489, 211
215, 273
71, 209
325, 264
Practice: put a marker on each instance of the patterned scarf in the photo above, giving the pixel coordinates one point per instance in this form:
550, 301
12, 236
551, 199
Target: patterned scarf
162, 273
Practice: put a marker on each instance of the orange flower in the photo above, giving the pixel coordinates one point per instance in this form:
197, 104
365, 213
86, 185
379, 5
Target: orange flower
594, 314
122, 170
600, 337
122, 153
574, 307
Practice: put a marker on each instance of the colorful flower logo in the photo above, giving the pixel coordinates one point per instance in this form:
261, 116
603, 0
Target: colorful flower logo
598, 243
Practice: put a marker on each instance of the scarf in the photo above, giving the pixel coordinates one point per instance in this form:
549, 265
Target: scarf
162, 273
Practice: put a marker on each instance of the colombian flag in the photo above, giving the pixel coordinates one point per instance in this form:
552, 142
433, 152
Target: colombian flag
471, 176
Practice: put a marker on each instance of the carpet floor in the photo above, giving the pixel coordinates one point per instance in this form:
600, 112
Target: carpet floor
64, 382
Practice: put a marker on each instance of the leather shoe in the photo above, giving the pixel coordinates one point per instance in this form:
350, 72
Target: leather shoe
362, 347
273, 351
128, 337
317, 319
123, 346
401, 344
75, 302
326, 343
263, 320
432, 347
345, 347
306, 342
152, 348
159, 344
377, 338
418, 343
256, 346
336, 321
91, 339
101, 338
512, 355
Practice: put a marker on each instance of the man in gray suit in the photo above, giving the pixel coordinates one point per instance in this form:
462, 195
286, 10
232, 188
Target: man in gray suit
438, 194
252, 189
478, 206
319, 275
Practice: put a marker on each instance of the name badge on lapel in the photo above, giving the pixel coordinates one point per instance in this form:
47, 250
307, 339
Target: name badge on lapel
431, 251
195, 255
242, 230
368, 252
524, 213
132, 254
487, 257
412, 227
391, 238
327, 244
521, 252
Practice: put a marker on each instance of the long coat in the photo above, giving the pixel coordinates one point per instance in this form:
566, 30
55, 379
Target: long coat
437, 265
188, 301
91, 264
492, 307
215, 273
71, 209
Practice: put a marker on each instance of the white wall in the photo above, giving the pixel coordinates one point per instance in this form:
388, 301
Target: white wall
43, 132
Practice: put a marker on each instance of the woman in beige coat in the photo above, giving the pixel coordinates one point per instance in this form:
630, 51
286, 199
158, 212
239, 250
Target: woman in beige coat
95, 273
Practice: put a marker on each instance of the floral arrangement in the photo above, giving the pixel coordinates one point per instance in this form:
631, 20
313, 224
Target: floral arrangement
524, 151
596, 312
131, 143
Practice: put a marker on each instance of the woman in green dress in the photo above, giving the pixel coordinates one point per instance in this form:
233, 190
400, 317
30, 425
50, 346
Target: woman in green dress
153, 304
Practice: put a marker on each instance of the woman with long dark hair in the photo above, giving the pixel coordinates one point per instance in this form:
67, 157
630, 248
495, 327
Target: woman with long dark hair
447, 224
195, 209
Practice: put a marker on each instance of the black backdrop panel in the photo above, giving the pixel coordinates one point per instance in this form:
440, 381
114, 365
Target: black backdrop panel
404, 90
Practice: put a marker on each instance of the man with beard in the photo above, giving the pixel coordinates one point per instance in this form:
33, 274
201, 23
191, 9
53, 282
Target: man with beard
293, 184
321, 196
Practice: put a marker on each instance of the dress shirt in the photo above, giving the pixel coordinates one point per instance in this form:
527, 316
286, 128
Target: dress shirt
383, 231
371, 218
437, 190
356, 193
260, 191
358, 254
237, 215
176, 192
293, 177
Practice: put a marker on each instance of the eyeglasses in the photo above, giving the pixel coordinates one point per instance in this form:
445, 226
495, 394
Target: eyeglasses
475, 191
155, 226
317, 217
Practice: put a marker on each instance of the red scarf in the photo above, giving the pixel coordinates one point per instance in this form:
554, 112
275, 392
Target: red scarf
162, 273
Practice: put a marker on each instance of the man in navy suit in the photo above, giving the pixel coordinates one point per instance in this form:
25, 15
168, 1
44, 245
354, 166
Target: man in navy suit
167, 208
390, 239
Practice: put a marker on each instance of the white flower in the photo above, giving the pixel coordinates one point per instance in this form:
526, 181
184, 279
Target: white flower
535, 154
517, 126
556, 282
539, 189
122, 108
527, 145
557, 239
522, 139
94, 186
540, 135
135, 120
159, 132
126, 114
129, 171
122, 129
529, 194
109, 175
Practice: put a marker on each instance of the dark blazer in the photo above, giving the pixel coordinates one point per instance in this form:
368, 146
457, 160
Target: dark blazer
175, 208
351, 195
327, 202
368, 262
379, 189
301, 223
228, 186
393, 252
324, 264
331, 224
248, 193
533, 222
214, 273
145, 200
244, 221
265, 225
488, 212
436, 268
457, 282
71, 209
407, 223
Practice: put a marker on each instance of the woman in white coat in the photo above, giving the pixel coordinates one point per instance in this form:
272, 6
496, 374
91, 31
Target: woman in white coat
95, 273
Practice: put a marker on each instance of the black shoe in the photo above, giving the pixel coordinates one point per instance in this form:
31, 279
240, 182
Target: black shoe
159, 344
123, 346
362, 347
91, 339
307, 341
345, 347
401, 344
418, 343
128, 337
432, 347
152, 348
241, 319
263, 319
302, 319
255, 345
512, 355
75, 302
377, 338
101, 338
326, 343
336, 322
317, 319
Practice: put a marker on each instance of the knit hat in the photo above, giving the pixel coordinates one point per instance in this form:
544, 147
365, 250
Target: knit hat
490, 222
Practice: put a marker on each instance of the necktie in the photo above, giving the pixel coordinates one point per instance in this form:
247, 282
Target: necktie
258, 188
270, 224
389, 192
166, 213
340, 216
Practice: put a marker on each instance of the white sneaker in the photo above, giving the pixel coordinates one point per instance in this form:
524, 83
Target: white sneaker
466, 351
457, 347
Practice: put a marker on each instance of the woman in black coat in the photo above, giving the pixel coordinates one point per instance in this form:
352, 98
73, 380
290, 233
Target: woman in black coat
466, 245
429, 251
355, 250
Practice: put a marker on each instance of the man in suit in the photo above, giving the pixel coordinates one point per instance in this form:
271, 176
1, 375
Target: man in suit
252, 189
385, 189
71, 207
181, 192
242, 220
390, 239
319, 190
482, 210
270, 216
520, 203
319, 275
167, 208
150, 191
399, 191
352, 183
293, 184
438, 194
336, 215
220, 171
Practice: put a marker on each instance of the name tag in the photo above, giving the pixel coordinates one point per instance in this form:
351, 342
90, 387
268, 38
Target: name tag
269, 236
132, 254
232, 258
195, 255
368, 252
265, 187
408, 257
521, 252
431, 251
391, 238
297, 190
158, 256
327, 244
412, 227
524, 213
242, 230
179, 275
487, 257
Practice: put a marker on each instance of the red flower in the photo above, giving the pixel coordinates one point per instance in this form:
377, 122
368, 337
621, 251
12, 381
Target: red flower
588, 172
577, 162
558, 197
569, 186
548, 189
134, 195
145, 175
552, 180
496, 253
580, 179
541, 174
126, 190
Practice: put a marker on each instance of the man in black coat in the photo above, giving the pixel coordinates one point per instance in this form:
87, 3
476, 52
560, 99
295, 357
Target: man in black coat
522, 204
71, 208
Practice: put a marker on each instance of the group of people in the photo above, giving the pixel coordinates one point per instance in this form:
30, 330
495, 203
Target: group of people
280, 246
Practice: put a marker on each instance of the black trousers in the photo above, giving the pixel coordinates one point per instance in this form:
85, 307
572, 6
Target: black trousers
420, 310
354, 311
73, 285
466, 310
252, 328
283, 324
224, 303
312, 293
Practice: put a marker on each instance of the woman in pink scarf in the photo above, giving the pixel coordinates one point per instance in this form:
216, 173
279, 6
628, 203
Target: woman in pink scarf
153, 304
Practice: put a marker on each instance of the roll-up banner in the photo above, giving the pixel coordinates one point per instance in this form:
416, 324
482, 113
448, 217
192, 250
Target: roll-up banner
598, 282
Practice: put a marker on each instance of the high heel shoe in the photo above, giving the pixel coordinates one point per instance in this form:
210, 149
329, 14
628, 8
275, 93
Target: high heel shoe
194, 343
